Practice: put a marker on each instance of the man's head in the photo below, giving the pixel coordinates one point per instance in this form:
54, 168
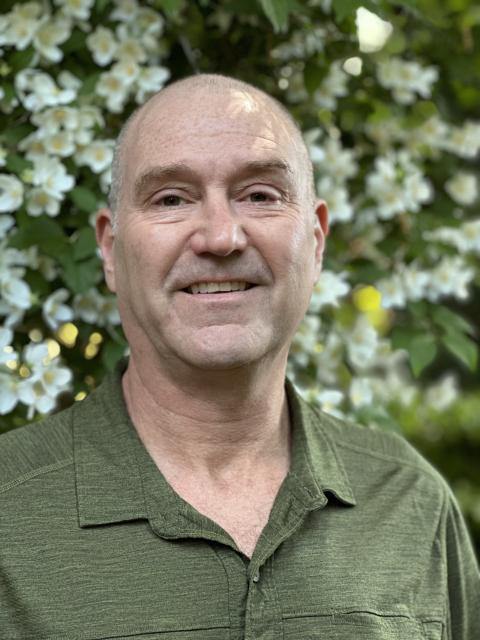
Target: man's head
215, 85
217, 240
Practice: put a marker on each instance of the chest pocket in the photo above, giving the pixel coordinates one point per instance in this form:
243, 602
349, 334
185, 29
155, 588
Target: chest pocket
358, 626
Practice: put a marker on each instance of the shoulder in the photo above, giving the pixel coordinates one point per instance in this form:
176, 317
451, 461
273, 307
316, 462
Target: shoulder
366, 452
35, 449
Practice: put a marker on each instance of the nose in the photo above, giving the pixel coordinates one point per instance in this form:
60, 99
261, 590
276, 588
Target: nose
220, 231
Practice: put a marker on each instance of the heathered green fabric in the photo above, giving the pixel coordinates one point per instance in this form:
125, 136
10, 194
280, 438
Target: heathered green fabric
364, 542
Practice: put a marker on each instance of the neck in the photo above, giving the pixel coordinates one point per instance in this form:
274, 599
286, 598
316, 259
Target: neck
211, 421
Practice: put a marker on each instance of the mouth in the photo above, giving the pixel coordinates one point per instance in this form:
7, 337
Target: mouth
229, 286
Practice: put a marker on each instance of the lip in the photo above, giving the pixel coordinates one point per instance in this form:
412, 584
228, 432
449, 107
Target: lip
221, 296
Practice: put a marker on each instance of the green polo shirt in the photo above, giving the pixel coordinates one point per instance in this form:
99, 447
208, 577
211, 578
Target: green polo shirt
364, 541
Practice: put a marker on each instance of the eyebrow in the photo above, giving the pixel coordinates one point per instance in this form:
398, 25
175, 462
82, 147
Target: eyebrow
181, 170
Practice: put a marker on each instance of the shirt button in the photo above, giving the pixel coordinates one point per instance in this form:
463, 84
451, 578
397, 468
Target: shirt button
256, 577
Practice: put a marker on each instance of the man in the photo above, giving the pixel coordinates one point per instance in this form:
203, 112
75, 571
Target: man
194, 495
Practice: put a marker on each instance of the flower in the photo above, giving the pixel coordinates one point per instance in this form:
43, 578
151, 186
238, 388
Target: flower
40, 201
339, 207
150, 80
11, 193
329, 400
328, 290
393, 292
8, 393
6, 223
22, 23
114, 90
441, 395
360, 392
406, 78
97, 155
463, 188
50, 174
49, 35
59, 144
79, 9
333, 86
450, 278
54, 312
37, 90
15, 292
102, 45
372, 31
362, 343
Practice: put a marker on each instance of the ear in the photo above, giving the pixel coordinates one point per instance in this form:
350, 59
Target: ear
321, 232
106, 242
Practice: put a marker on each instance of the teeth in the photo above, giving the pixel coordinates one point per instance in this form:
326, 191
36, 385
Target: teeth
215, 287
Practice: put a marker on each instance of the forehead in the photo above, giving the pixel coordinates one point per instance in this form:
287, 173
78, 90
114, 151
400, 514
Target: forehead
193, 126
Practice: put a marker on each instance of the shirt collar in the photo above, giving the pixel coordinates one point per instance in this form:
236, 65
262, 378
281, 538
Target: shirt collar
116, 480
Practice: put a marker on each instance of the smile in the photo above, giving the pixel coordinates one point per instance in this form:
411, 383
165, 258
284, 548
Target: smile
218, 287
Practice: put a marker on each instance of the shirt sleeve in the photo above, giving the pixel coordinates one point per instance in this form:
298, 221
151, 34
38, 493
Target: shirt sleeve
463, 576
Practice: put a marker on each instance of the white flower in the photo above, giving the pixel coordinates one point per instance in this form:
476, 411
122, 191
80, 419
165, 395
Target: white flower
329, 400
470, 236
79, 9
54, 312
432, 133
6, 223
418, 190
305, 340
15, 292
335, 161
415, 281
103, 45
463, 188
97, 155
125, 11
60, 144
11, 193
353, 66
40, 201
49, 36
22, 24
6, 352
150, 80
336, 196
362, 343
50, 174
372, 31
464, 141
48, 379
129, 48
441, 395
329, 359
8, 393
37, 90
360, 392
328, 290
393, 292
56, 119
127, 70
450, 278
406, 78
114, 90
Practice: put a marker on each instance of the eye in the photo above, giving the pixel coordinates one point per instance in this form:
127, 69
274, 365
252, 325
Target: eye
170, 200
258, 196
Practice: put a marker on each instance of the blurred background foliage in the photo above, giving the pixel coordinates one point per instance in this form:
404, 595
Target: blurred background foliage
388, 95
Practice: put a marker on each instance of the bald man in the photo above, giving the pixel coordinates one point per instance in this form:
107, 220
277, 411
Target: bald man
194, 495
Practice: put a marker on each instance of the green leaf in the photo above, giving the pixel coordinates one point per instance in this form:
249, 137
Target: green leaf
84, 199
84, 244
88, 86
21, 59
451, 322
17, 164
43, 232
313, 75
462, 348
12, 135
422, 351
170, 7
112, 352
80, 276
277, 12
